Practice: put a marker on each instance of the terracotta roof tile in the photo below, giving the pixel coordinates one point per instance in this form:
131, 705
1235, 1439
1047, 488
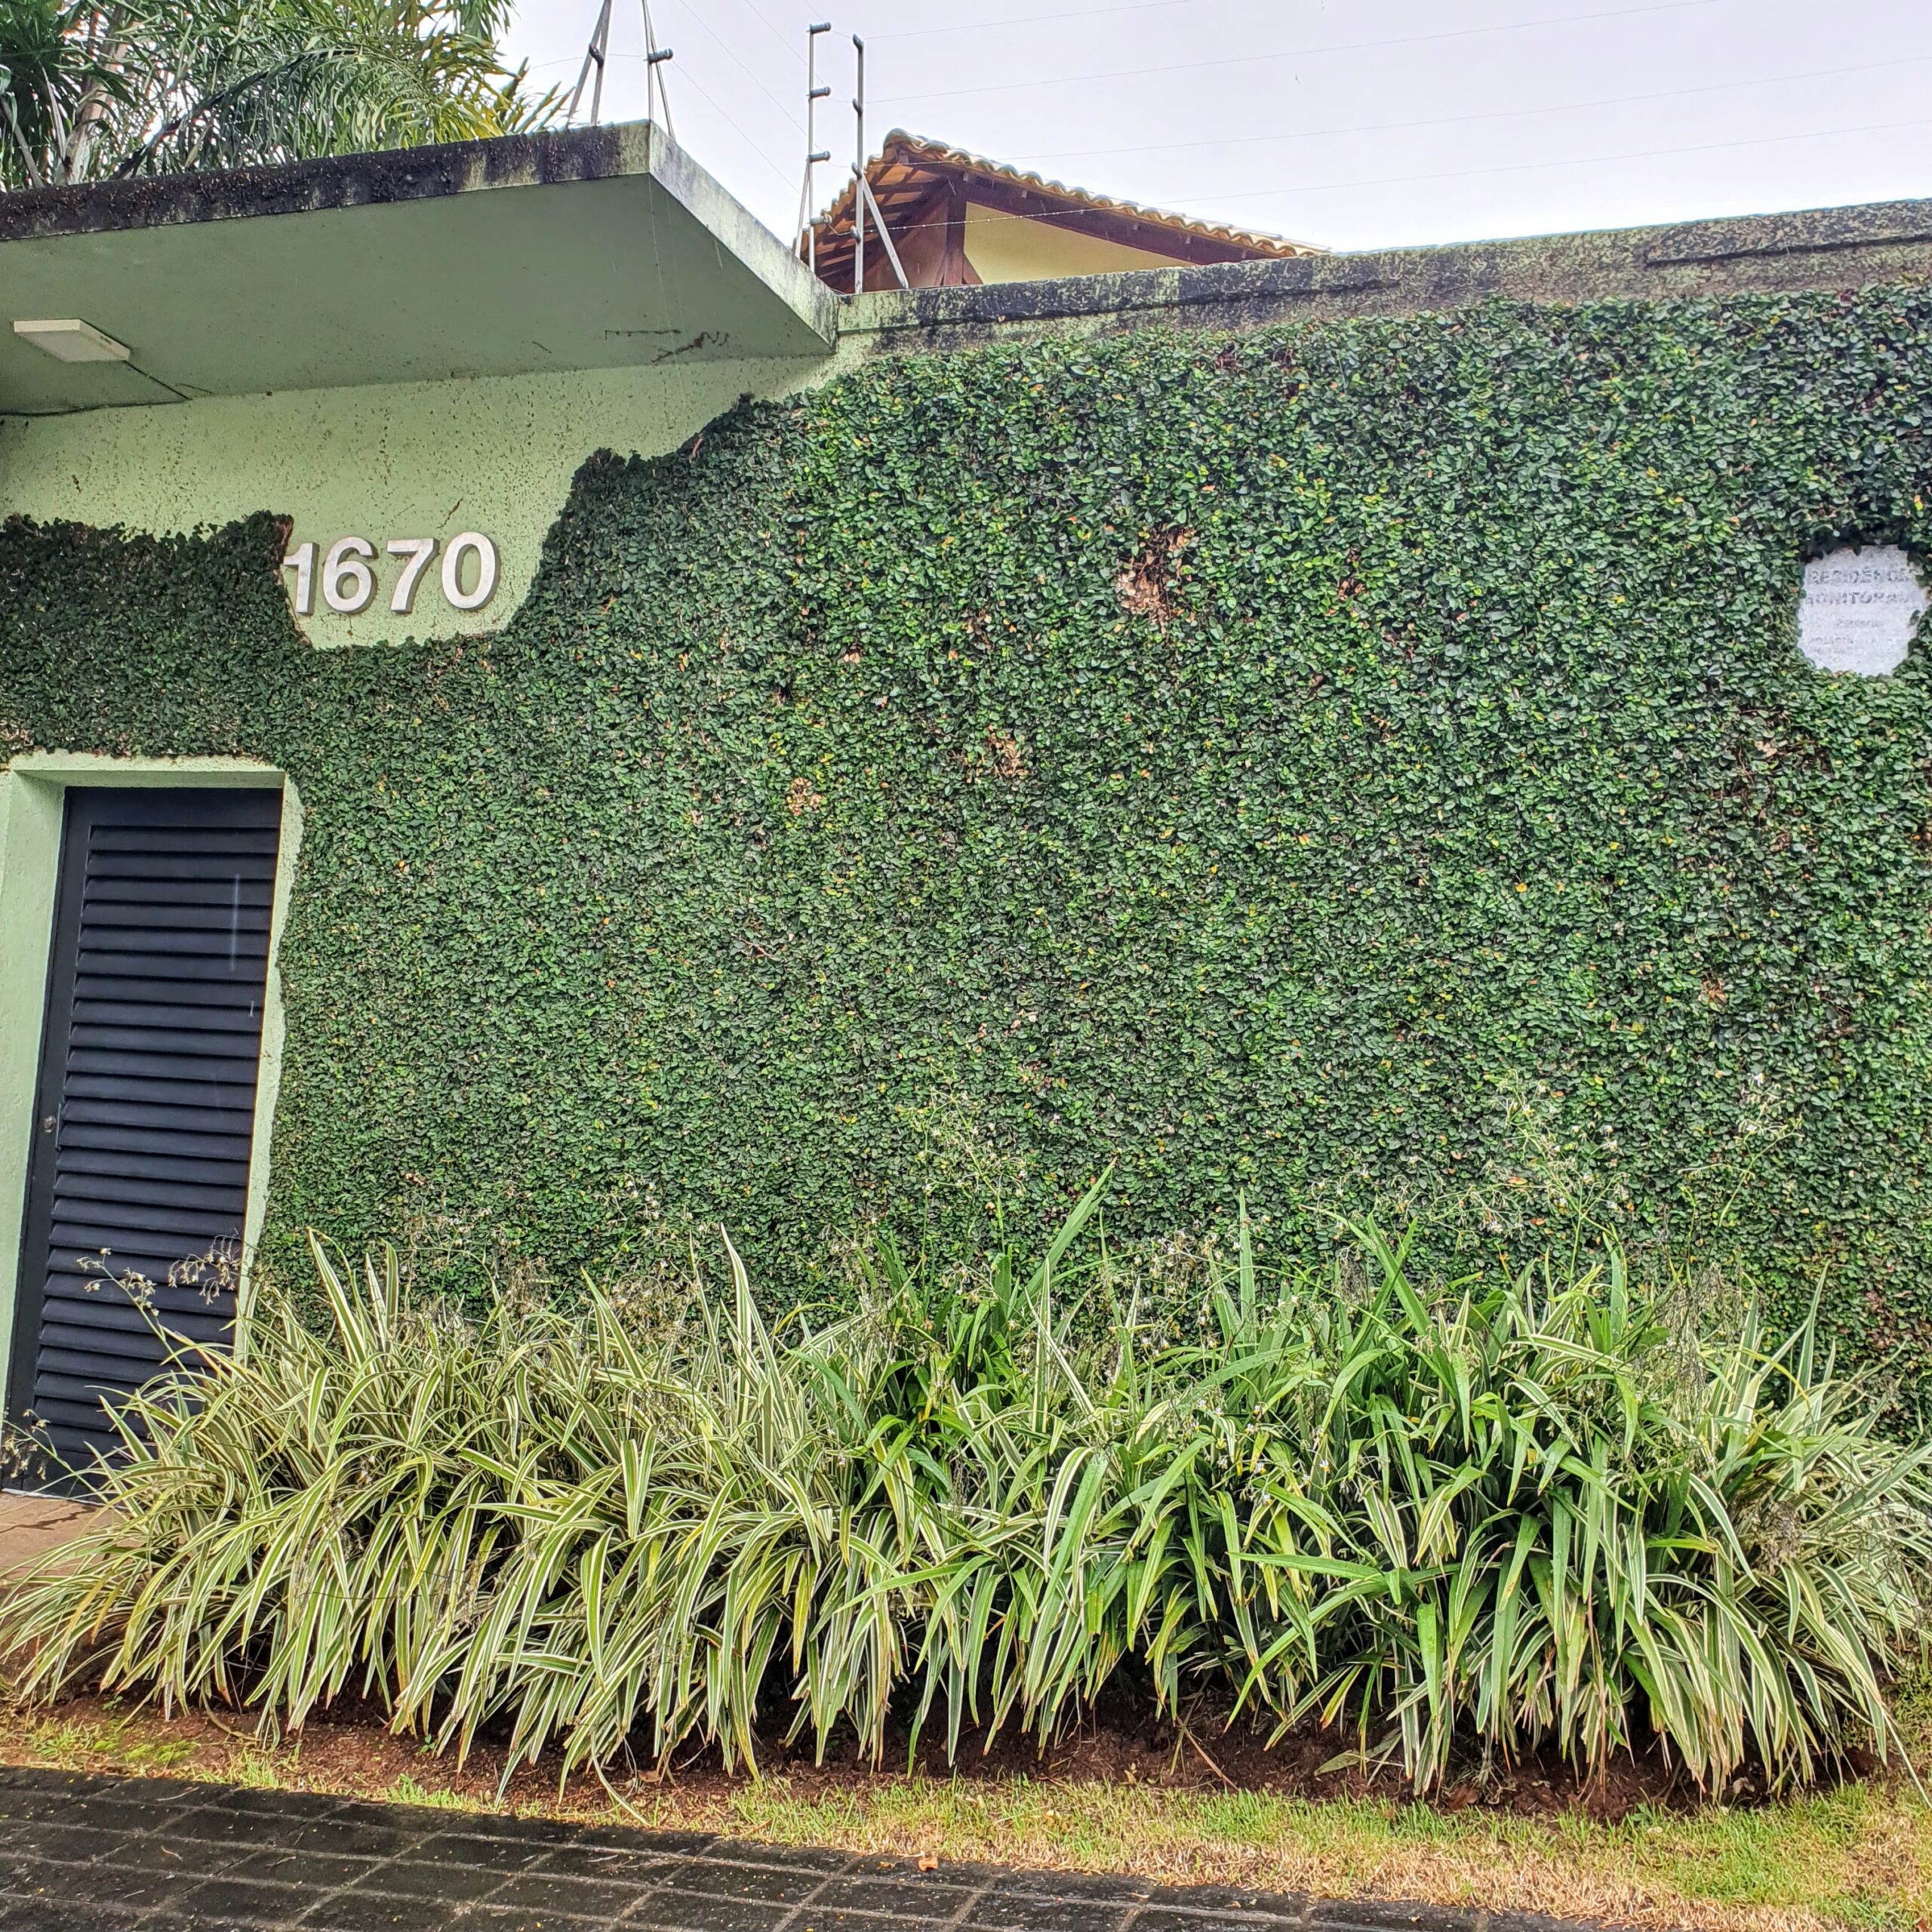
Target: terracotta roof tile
910, 167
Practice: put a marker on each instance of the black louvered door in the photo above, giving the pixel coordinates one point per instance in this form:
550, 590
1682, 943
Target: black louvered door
146, 1104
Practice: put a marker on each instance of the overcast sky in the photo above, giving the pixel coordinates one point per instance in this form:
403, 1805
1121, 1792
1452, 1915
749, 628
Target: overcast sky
1353, 123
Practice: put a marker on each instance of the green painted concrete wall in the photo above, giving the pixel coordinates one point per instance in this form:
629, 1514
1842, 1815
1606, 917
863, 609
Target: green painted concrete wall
393, 461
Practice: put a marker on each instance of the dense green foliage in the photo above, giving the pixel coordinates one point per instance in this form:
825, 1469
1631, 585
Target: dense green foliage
140, 87
1230, 757
1560, 1510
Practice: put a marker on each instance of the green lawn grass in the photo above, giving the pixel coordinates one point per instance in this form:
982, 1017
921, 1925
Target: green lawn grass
1858, 1856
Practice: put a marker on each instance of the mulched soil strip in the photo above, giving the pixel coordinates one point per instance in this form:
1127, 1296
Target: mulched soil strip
351, 1748
106, 1854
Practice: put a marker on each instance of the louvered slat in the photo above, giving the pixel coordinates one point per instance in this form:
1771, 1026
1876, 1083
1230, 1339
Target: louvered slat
130, 1200
148, 1069
68, 1306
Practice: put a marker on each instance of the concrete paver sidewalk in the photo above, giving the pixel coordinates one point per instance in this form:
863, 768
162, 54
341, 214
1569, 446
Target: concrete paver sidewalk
32, 1525
81, 1853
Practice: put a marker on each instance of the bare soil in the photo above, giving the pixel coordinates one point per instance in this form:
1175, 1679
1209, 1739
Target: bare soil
350, 1749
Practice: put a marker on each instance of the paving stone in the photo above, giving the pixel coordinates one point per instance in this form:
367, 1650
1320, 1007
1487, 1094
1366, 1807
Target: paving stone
317, 1871
358, 1810
1015, 1912
1178, 1918
17, 1805
669, 1911
487, 1854
378, 1911
55, 1915
1368, 1915
815, 1917
29, 1780
913, 1899
44, 1838
289, 1805
582, 1898
175, 1921
1108, 1887
36, 1777
209, 1923
1417, 1919
1289, 1908
507, 1824
84, 1853
774, 1885
453, 1883
99, 1884
944, 1871
625, 1863
111, 1812
241, 1901
159, 1851
353, 1835
434, 1822
792, 1858
627, 1836
493, 1917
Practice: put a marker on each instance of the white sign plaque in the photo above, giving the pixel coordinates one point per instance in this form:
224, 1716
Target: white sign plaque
1858, 609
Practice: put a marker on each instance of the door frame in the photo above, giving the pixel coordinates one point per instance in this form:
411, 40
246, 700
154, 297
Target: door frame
33, 790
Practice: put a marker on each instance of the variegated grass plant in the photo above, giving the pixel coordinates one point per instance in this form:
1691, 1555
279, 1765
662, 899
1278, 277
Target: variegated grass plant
1555, 1508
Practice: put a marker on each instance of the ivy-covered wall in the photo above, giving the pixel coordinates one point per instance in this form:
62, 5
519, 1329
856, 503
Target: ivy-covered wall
1234, 757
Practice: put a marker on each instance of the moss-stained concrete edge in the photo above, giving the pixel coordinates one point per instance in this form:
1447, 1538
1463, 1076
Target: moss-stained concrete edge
33, 800
1819, 248
330, 181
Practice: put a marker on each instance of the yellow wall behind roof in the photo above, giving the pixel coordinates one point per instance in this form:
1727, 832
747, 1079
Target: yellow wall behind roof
1004, 247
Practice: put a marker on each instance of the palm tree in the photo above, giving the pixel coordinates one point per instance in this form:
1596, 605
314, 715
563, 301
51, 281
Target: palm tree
150, 86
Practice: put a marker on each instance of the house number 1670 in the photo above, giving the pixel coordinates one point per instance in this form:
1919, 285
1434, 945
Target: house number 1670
348, 583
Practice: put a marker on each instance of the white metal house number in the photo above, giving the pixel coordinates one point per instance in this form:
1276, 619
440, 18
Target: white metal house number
348, 583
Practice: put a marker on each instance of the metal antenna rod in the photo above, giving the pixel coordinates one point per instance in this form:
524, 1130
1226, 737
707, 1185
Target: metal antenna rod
594, 56
807, 234
863, 197
884, 233
654, 56
859, 178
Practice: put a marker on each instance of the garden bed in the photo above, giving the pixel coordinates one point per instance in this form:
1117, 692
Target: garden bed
1620, 1583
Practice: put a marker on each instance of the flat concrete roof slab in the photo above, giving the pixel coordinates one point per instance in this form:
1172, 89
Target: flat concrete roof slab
593, 248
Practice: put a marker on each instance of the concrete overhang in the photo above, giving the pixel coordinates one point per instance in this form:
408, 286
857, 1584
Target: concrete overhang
592, 248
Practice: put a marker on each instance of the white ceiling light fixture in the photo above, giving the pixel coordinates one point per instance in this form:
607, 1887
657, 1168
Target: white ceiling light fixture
72, 340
